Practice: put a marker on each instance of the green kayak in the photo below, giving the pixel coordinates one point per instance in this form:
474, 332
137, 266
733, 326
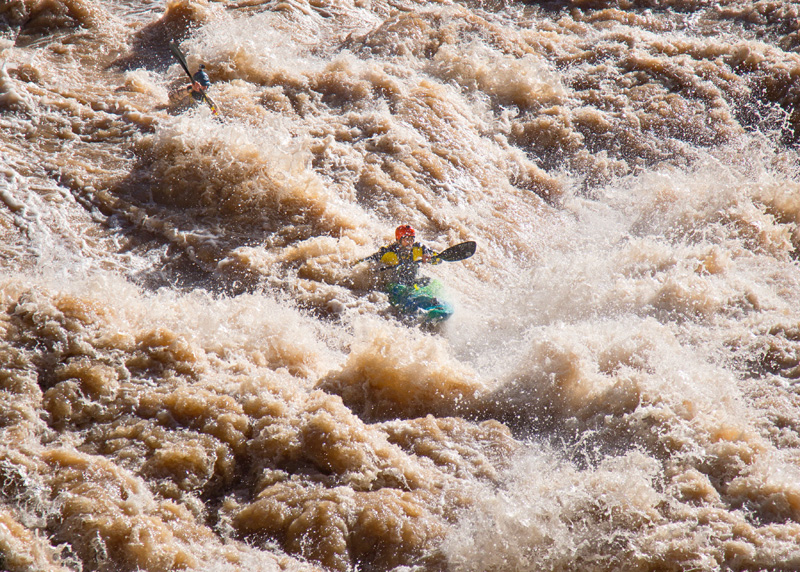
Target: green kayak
420, 302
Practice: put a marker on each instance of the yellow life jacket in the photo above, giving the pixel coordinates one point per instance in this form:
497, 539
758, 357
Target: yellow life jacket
393, 257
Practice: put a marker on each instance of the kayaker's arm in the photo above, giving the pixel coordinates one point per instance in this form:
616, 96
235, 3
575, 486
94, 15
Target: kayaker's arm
433, 257
428, 256
372, 257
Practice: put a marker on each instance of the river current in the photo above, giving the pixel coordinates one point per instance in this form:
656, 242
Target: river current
196, 374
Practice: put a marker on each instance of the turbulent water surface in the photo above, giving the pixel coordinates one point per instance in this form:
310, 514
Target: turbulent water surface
196, 375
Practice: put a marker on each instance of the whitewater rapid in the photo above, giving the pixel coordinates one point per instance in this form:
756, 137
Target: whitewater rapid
196, 375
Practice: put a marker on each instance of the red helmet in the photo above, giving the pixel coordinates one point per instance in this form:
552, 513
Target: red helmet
403, 230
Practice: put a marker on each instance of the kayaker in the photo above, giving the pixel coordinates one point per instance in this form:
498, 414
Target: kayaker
403, 257
200, 83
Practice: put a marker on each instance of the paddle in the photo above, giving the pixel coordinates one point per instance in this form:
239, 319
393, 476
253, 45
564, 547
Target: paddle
176, 51
460, 251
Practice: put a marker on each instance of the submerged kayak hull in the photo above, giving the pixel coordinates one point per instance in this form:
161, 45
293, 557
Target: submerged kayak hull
421, 302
